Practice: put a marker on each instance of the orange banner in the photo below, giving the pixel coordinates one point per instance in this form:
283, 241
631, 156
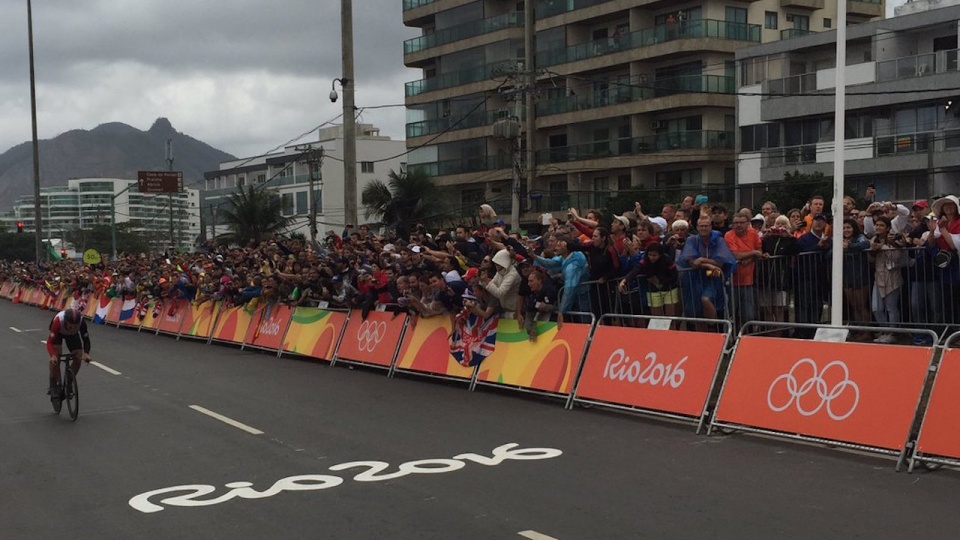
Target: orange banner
93, 300
232, 324
313, 332
851, 392
172, 315
113, 311
549, 364
670, 371
426, 348
6, 290
150, 321
198, 320
372, 340
939, 434
268, 324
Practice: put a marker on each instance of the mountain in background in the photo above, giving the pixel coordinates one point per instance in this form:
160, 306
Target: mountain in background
111, 150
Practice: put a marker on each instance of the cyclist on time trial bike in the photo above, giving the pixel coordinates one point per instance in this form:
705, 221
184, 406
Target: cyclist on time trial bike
67, 325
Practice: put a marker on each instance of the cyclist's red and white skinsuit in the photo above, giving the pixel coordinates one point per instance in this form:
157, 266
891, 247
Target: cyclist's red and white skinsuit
77, 341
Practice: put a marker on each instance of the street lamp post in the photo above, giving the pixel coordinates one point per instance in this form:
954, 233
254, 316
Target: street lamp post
349, 120
113, 220
37, 219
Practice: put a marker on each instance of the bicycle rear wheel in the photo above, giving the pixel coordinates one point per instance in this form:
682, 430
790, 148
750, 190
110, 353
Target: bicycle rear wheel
72, 391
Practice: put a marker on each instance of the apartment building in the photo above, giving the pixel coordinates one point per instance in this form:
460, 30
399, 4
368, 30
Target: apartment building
902, 119
631, 95
86, 202
288, 173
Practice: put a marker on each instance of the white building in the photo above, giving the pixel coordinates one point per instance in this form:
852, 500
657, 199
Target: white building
288, 174
85, 202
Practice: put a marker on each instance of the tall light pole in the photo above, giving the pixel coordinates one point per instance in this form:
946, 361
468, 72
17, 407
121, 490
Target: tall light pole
836, 291
37, 218
349, 115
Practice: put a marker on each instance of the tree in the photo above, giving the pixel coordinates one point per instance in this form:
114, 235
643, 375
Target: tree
406, 199
100, 238
797, 188
253, 214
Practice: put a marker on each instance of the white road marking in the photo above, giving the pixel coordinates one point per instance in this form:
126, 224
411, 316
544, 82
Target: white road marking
226, 420
15, 329
534, 535
43, 341
105, 368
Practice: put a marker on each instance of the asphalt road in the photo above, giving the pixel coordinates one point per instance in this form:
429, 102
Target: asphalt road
610, 475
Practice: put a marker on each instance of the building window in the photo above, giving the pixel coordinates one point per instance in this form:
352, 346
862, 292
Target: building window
624, 182
287, 199
241, 180
261, 178
366, 166
302, 208
770, 20
827, 23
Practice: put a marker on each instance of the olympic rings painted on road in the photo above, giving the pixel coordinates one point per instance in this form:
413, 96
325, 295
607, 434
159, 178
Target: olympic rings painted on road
816, 382
370, 334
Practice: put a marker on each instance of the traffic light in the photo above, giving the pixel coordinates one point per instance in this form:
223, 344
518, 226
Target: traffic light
19, 226
63, 253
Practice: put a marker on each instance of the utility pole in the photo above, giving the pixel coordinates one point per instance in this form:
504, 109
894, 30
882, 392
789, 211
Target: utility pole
530, 58
349, 115
522, 94
37, 218
214, 234
169, 158
315, 163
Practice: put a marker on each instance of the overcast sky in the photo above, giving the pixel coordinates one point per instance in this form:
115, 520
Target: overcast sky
243, 76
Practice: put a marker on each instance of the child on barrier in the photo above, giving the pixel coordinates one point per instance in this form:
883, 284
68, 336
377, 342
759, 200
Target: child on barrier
663, 281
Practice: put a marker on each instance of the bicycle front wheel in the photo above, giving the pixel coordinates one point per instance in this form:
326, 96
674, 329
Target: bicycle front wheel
72, 391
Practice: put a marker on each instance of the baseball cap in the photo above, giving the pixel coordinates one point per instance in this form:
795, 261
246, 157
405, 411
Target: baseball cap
759, 217
415, 249
700, 199
660, 222
921, 204
624, 220
820, 216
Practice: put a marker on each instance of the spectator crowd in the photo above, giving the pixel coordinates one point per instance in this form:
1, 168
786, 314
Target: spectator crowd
695, 260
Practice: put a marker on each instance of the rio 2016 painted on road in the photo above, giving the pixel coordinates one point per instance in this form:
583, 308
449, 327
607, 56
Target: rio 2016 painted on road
312, 482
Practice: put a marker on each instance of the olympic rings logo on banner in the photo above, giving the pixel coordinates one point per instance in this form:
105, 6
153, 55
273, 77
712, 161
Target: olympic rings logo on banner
370, 334
816, 382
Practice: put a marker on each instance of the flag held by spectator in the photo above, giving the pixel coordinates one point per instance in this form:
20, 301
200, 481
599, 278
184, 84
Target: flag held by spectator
473, 339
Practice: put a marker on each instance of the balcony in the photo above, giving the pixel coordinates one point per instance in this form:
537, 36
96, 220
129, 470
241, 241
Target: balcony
791, 33
865, 8
556, 7
449, 123
631, 93
664, 142
460, 166
457, 78
911, 143
413, 4
917, 66
463, 31
802, 4
699, 28
793, 85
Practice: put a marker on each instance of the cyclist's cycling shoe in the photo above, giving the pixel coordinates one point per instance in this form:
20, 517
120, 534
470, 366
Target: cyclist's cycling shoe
54, 393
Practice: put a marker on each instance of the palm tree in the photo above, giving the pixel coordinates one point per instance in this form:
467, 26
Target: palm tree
253, 214
406, 199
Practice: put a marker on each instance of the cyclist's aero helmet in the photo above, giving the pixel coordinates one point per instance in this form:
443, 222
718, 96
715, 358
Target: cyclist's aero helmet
72, 316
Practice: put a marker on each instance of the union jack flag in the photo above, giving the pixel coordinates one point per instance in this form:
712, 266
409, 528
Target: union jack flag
473, 339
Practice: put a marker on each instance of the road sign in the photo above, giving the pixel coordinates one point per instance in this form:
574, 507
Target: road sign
160, 181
